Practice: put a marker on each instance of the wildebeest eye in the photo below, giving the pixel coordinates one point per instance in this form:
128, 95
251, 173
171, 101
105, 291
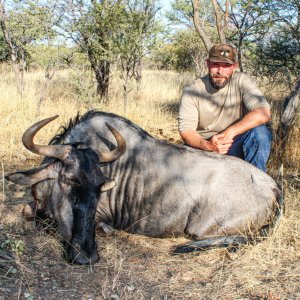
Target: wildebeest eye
71, 181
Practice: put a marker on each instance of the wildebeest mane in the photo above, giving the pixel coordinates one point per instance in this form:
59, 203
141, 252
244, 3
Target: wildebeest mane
63, 131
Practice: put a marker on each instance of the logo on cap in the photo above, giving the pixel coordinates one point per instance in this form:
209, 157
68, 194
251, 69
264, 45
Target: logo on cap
225, 53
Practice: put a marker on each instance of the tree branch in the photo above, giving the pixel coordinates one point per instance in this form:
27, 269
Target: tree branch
218, 22
199, 28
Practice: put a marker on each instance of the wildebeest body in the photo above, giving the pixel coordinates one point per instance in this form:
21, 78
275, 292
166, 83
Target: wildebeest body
165, 189
161, 189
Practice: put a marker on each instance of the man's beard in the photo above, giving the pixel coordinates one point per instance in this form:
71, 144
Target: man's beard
217, 82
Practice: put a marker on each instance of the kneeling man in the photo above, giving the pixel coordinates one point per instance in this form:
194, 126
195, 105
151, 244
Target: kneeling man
225, 112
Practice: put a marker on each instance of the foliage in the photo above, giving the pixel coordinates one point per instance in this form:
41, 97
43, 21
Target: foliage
138, 36
61, 56
109, 31
139, 31
25, 23
83, 85
184, 52
279, 52
265, 32
12, 244
28, 23
181, 13
250, 22
4, 50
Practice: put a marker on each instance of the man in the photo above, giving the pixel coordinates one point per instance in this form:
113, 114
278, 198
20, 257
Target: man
225, 112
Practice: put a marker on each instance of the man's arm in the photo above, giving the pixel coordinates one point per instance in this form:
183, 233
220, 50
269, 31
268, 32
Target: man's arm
193, 139
251, 120
221, 142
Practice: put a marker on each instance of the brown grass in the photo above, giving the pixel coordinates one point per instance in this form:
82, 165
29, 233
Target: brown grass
132, 266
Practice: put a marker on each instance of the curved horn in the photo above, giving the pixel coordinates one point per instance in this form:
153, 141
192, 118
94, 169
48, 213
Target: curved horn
116, 153
57, 151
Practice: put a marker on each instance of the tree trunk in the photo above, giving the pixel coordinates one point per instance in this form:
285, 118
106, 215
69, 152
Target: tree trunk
219, 22
125, 94
138, 74
19, 76
197, 22
18, 63
48, 76
102, 71
239, 55
290, 108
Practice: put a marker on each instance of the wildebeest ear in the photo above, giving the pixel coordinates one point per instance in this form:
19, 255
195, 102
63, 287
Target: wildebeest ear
32, 176
108, 185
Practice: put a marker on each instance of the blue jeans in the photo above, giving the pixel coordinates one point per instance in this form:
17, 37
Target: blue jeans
253, 146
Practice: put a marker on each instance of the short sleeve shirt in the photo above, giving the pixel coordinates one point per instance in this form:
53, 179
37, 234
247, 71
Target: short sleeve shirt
210, 111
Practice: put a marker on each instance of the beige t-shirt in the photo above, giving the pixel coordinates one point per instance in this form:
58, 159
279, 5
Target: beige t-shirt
210, 111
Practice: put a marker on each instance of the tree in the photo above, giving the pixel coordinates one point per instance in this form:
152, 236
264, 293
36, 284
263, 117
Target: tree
240, 23
23, 23
198, 17
108, 31
181, 52
137, 36
279, 52
4, 50
94, 27
250, 22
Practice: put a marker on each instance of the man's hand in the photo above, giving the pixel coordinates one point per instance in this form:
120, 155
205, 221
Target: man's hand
221, 143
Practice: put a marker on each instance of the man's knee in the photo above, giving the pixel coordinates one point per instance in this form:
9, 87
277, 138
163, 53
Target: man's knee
261, 136
262, 133
257, 146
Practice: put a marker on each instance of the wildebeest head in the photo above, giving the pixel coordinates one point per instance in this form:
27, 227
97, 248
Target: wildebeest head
77, 183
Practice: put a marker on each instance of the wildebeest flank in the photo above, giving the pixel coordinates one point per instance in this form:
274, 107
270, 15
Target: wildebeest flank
161, 189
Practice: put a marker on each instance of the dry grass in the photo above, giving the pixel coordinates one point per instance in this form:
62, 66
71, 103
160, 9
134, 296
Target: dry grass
131, 266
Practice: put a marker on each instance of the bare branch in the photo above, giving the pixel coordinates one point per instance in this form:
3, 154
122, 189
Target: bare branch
226, 17
198, 25
17, 53
219, 22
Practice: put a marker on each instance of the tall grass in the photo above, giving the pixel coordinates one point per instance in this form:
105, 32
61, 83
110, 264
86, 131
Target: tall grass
154, 107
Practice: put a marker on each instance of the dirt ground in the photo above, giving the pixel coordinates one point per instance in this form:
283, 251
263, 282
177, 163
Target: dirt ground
137, 267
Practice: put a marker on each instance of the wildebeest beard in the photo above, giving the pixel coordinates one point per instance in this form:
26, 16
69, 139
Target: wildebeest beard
218, 85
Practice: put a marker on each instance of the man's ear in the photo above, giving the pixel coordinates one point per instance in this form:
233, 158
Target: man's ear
32, 176
108, 185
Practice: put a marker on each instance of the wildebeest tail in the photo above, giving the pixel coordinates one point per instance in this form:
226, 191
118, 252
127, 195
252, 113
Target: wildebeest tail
230, 242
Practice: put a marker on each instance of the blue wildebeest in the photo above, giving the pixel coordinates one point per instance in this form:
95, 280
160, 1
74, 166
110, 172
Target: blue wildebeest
160, 189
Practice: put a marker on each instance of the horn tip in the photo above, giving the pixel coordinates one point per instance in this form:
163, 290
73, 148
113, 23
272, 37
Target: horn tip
54, 117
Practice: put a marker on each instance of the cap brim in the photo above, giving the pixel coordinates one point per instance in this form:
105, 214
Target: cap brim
225, 60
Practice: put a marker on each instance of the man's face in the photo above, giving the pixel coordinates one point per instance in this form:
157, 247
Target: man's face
220, 73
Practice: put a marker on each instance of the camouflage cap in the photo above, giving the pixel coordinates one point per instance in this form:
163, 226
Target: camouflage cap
222, 53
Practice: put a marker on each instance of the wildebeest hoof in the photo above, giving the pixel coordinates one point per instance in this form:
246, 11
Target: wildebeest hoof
105, 230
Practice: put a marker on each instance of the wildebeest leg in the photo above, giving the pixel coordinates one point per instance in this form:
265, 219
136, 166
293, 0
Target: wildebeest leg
105, 230
29, 210
38, 209
33, 210
41, 192
42, 218
230, 242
